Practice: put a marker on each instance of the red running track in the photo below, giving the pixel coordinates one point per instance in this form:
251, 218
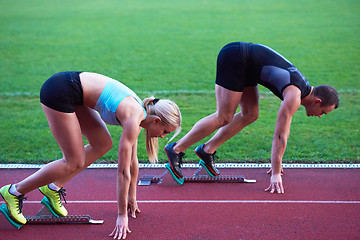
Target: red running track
317, 204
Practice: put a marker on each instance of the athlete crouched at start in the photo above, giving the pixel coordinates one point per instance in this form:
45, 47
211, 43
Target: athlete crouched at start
71, 102
240, 68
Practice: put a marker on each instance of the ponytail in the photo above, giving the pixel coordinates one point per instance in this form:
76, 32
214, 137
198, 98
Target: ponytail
169, 113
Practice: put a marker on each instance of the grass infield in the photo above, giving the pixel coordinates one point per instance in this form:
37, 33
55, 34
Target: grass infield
169, 48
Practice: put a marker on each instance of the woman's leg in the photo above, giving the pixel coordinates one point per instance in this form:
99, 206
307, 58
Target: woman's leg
227, 102
66, 130
249, 112
96, 133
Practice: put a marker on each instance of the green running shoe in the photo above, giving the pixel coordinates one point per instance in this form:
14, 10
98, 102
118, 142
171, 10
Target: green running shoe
54, 198
14, 204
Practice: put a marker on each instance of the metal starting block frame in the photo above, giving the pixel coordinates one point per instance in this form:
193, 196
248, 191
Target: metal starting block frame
200, 176
44, 216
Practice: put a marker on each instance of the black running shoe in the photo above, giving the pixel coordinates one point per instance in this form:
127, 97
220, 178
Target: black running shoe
175, 160
207, 161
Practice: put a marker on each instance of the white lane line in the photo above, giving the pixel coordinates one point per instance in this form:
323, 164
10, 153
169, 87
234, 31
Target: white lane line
211, 201
192, 165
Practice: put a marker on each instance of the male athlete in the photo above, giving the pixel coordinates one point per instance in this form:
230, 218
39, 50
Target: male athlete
240, 68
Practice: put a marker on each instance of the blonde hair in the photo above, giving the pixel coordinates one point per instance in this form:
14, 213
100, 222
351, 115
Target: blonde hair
169, 113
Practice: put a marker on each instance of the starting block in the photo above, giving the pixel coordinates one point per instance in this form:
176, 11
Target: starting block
46, 215
200, 176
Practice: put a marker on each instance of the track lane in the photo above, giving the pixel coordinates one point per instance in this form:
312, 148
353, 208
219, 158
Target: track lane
247, 217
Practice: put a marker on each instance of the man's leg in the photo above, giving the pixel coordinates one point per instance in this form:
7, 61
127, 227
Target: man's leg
227, 102
249, 111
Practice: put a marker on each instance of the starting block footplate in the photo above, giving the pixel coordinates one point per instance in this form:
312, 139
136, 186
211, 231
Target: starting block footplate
72, 219
200, 176
44, 216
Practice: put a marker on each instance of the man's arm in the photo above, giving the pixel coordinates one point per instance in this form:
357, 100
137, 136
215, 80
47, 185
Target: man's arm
291, 103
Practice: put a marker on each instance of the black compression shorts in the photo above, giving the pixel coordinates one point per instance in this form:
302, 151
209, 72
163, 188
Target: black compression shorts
232, 70
62, 91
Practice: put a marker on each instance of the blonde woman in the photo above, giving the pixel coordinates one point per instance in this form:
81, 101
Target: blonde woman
71, 101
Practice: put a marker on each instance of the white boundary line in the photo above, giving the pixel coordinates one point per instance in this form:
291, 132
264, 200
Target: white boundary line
193, 165
210, 201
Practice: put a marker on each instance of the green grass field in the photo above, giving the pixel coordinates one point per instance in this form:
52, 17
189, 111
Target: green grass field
169, 49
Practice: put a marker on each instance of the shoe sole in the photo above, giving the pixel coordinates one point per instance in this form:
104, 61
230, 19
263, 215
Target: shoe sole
180, 181
5, 211
209, 171
50, 207
9, 214
47, 204
173, 172
203, 164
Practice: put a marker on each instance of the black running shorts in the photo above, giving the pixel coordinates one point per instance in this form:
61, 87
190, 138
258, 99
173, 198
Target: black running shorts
62, 91
232, 70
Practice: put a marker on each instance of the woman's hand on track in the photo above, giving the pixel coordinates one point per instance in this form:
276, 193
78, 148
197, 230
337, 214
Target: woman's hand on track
121, 228
276, 184
133, 208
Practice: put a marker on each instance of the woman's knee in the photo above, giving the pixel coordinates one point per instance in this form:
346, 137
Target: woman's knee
107, 145
74, 164
103, 146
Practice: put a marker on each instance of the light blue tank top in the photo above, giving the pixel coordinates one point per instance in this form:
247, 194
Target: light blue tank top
114, 92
